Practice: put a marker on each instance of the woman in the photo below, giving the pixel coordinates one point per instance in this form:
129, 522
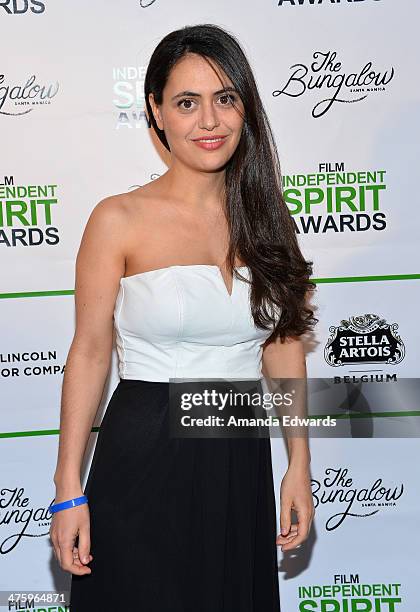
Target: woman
184, 524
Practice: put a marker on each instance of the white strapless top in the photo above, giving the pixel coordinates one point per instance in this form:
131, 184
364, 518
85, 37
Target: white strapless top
181, 322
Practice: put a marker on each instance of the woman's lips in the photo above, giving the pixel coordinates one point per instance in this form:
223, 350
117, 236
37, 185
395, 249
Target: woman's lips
210, 144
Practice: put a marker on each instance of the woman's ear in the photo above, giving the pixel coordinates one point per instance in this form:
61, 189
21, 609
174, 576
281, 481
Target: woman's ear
156, 111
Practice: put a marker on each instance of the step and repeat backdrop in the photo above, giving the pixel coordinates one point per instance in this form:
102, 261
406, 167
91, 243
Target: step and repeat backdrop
339, 81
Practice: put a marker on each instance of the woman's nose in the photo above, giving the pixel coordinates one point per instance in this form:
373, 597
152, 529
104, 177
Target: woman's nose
208, 115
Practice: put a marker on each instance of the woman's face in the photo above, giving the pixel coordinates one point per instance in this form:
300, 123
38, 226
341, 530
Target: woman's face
202, 113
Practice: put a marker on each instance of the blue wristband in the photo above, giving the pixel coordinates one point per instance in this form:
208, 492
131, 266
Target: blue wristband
70, 503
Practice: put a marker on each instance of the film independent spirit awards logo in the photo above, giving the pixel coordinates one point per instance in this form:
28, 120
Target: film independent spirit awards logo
328, 76
364, 339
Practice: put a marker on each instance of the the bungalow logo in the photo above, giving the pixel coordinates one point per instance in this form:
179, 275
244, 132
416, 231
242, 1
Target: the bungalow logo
325, 74
20, 518
337, 488
22, 98
364, 339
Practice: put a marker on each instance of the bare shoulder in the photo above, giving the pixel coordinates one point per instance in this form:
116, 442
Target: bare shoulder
145, 211
119, 218
123, 218
102, 248
112, 210
146, 201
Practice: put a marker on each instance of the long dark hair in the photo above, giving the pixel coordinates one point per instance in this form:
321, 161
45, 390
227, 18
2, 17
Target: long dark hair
261, 229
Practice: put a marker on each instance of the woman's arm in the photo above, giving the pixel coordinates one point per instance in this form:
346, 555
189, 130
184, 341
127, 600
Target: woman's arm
100, 263
287, 361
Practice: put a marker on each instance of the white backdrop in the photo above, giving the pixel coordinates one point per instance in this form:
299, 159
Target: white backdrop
339, 82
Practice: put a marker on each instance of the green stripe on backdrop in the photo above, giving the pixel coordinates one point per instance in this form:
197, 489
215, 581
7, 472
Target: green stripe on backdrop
336, 279
361, 279
35, 432
357, 415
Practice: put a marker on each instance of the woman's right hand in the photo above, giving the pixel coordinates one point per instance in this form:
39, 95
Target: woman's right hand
66, 525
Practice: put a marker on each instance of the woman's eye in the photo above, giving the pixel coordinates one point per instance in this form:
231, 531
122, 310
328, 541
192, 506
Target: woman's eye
182, 102
228, 97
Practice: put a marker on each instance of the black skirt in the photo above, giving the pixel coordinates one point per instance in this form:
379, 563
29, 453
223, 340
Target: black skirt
176, 524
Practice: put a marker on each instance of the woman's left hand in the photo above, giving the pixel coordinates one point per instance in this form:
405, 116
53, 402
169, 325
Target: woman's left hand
296, 494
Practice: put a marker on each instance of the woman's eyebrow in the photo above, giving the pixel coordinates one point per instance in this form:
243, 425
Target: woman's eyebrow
191, 93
